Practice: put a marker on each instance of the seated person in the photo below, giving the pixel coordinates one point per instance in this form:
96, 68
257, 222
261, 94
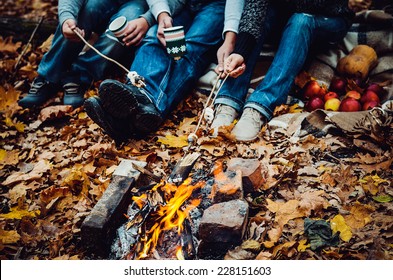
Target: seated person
123, 110
306, 23
62, 66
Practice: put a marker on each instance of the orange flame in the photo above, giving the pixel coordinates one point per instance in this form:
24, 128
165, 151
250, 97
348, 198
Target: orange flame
171, 215
179, 253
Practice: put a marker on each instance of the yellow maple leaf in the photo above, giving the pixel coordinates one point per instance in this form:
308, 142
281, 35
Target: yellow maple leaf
360, 215
18, 214
370, 183
337, 224
20, 127
303, 246
174, 141
8, 100
295, 108
9, 236
82, 115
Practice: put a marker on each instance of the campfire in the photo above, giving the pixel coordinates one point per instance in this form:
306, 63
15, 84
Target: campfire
166, 220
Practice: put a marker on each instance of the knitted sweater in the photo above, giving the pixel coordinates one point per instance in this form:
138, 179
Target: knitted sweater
233, 10
254, 13
69, 9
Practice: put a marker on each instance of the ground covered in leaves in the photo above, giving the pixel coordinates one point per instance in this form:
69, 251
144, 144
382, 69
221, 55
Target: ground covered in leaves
56, 163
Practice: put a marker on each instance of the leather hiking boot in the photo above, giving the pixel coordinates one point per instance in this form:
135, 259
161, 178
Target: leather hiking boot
40, 91
249, 125
119, 130
73, 95
118, 99
224, 116
125, 100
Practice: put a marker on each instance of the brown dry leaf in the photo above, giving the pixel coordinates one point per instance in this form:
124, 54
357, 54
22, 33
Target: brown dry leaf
328, 179
29, 71
213, 149
285, 211
187, 126
286, 246
9, 237
302, 78
17, 192
360, 215
54, 112
264, 256
312, 201
45, 46
8, 47
52, 193
274, 235
39, 169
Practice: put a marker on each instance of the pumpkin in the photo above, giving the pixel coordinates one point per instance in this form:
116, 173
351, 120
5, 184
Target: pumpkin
358, 63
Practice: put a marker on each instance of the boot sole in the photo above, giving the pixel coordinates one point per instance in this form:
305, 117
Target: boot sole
95, 112
117, 100
147, 122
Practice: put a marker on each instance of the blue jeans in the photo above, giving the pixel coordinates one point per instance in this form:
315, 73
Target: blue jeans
62, 63
300, 31
169, 81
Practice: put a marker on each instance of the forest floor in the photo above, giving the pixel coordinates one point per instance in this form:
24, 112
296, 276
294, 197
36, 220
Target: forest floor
56, 163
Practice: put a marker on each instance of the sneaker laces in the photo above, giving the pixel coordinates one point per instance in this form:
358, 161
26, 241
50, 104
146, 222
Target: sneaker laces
253, 116
71, 88
37, 85
225, 110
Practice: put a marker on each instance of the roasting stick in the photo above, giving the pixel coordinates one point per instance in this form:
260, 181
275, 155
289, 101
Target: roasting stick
135, 79
185, 164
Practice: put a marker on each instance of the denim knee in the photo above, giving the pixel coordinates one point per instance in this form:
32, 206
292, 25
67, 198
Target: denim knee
301, 22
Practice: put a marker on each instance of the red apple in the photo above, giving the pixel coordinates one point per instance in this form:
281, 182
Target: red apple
368, 96
353, 94
377, 89
330, 95
368, 105
312, 88
332, 104
359, 82
314, 103
338, 85
349, 104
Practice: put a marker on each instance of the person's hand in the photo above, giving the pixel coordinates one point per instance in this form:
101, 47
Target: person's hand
234, 65
359, 5
224, 51
164, 21
135, 31
68, 30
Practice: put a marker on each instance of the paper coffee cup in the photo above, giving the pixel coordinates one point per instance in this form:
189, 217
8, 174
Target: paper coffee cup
118, 27
175, 41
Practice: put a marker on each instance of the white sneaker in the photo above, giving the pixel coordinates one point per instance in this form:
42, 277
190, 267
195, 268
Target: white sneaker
249, 125
224, 116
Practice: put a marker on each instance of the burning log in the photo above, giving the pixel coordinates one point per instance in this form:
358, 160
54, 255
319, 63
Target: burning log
99, 227
157, 215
